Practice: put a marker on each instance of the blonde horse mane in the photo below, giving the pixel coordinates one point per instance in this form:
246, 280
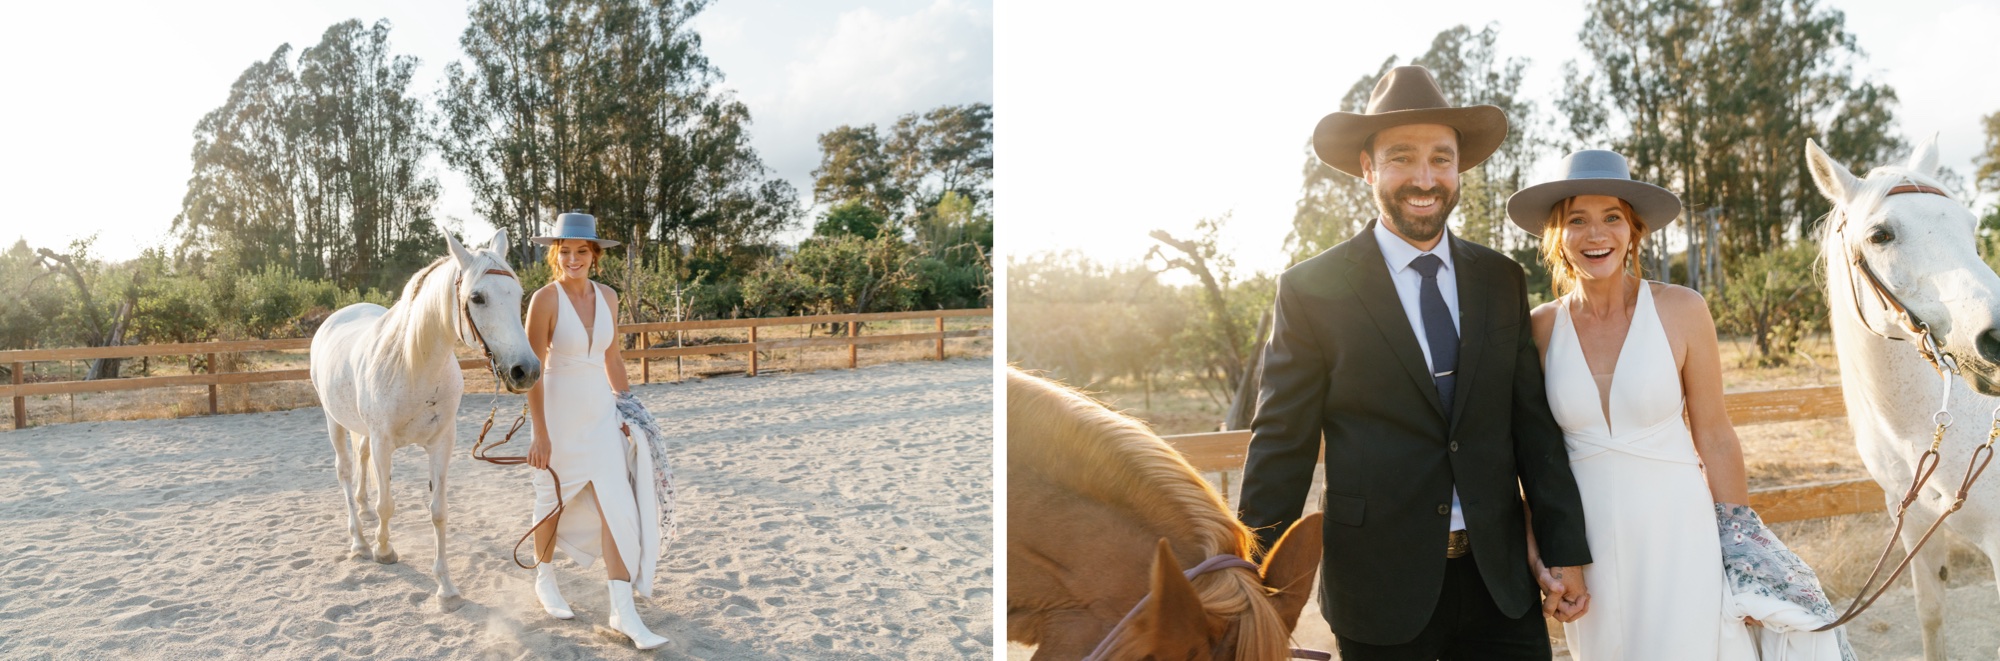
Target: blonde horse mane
1110, 458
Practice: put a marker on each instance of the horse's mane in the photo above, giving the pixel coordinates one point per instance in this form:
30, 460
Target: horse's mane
1110, 458
416, 282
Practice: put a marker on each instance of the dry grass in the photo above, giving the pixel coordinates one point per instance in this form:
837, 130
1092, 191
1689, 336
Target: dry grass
183, 401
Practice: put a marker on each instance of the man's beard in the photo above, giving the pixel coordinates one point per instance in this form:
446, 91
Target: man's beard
1417, 228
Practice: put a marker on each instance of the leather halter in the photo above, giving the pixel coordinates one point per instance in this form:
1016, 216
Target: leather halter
465, 314
1898, 313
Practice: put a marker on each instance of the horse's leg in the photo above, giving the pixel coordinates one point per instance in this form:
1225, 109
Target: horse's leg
351, 491
1923, 572
440, 455
385, 505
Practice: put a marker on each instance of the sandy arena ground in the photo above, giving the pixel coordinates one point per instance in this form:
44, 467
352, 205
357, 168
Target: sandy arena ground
829, 515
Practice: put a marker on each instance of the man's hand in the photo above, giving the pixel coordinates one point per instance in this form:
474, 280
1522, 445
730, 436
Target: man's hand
1575, 599
1552, 589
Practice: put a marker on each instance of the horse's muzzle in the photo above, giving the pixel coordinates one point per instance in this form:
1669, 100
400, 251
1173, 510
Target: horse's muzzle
522, 376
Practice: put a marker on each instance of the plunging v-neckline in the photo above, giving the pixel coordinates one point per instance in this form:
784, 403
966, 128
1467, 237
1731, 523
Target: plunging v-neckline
589, 329
1603, 394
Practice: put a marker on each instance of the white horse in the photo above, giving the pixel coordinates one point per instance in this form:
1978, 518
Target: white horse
389, 377
1920, 245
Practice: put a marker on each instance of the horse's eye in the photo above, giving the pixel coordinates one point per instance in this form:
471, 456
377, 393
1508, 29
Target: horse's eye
1881, 235
478, 298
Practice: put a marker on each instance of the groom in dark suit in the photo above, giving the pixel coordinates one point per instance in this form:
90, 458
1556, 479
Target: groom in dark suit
1408, 351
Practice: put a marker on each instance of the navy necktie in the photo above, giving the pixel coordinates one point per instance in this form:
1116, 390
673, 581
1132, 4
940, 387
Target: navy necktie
1439, 332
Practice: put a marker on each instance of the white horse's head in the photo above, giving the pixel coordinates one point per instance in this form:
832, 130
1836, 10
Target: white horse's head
1921, 247
492, 303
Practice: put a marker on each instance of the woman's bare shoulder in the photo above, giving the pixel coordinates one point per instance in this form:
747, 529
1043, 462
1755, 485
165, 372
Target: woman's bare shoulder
1678, 301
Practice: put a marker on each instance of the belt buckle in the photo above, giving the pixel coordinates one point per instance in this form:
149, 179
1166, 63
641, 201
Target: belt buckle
1457, 544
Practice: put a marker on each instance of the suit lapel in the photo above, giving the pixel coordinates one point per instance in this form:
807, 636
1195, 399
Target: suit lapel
1472, 315
1377, 292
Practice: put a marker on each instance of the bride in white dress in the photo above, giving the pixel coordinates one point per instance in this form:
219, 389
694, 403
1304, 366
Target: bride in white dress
1624, 359
577, 435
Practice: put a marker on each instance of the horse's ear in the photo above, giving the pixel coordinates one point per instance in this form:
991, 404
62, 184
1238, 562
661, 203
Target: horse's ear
1172, 624
1924, 160
498, 244
1291, 565
458, 252
1832, 178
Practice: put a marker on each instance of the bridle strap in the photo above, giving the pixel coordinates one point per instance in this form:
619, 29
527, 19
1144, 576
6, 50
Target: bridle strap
1213, 563
1899, 314
465, 312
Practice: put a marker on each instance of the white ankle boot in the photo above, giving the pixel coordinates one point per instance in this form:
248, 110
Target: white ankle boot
549, 594
625, 617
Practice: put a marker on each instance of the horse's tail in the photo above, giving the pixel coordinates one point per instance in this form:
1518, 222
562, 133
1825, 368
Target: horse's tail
1239, 595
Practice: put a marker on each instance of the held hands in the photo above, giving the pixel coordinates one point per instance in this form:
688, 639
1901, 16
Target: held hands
1568, 597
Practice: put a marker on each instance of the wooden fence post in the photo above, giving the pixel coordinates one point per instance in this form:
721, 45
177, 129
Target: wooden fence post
853, 331
20, 403
645, 364
940, 341
211, 387
753, 351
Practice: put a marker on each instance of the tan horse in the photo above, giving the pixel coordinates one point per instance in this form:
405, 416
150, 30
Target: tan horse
1101, 512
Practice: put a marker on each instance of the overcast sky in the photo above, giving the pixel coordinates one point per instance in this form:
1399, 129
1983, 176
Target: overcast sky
102, 98
1113, 122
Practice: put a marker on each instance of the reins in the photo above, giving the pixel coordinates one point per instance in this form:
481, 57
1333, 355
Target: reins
1927, 464
480, 450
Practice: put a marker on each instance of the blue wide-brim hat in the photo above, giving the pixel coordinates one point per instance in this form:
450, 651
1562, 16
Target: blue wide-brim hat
1593, 172
575, 225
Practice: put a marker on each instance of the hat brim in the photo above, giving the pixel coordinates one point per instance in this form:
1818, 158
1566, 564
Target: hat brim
1529, 207
551, 240
1340, 137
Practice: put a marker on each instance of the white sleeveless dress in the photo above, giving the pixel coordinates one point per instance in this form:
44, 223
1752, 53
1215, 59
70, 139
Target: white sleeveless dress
1656, 583
587, 448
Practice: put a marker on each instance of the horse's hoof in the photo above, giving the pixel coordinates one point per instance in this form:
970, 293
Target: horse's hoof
447, 603
387, 557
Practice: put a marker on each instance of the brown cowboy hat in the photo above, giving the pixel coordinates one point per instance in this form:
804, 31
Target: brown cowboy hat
1408, 95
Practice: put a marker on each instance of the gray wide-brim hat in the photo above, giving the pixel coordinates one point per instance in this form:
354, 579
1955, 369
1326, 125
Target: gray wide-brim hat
1593, 172
1408, 95
575, 225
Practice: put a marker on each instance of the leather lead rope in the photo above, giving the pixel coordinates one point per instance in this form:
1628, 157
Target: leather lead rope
480, 450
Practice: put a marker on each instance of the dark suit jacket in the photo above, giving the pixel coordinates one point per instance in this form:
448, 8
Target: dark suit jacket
1344, 364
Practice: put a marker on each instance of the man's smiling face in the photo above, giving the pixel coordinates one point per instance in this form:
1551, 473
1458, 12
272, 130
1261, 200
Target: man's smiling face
1414, 170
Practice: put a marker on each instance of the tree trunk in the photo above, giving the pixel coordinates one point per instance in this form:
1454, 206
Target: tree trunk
1243, 406
1232, 364
107, 368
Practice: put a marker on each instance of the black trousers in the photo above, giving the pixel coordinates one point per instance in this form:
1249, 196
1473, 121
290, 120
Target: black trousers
1466, 626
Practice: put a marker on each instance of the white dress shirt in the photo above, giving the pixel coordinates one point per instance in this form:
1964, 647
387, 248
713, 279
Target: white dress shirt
1398, 253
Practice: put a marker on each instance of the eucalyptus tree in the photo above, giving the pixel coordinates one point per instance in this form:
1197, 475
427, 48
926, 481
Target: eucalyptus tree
240, 209
315, 167
1713, 99
924, 157
607, 106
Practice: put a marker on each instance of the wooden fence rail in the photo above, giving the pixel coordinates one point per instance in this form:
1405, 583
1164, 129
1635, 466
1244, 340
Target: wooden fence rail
18, 390
1224, 452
